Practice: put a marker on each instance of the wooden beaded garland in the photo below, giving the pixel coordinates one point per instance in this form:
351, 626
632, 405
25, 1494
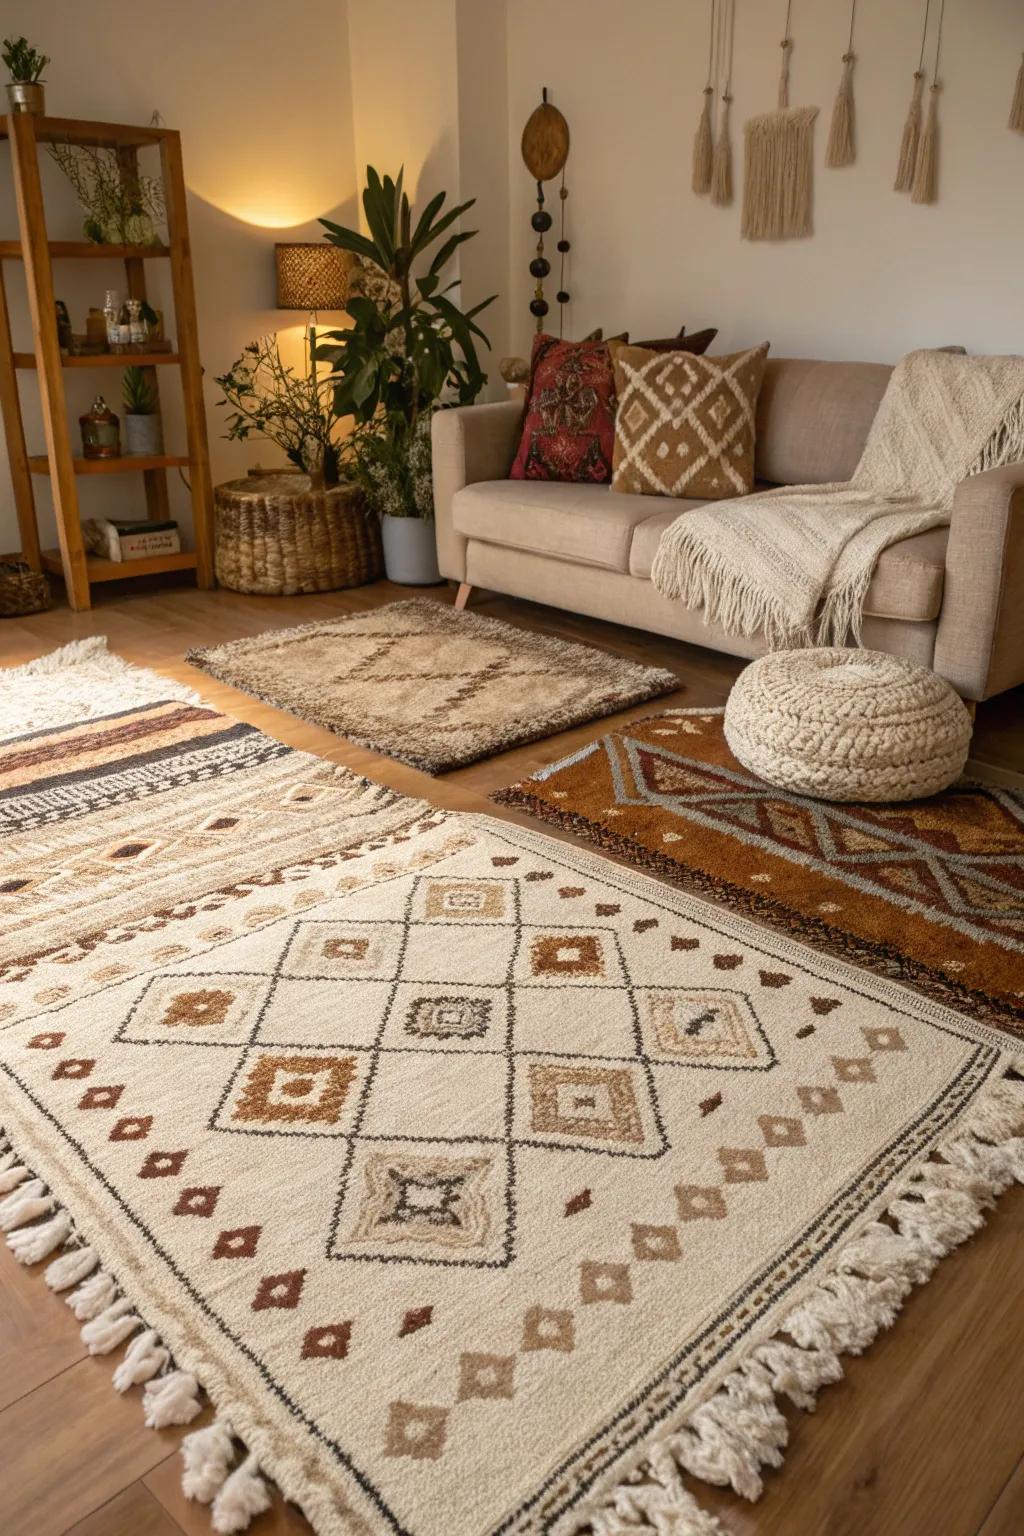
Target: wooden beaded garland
545, 148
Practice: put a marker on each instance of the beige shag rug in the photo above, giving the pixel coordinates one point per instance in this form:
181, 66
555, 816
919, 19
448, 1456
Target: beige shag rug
482, 1185
419, 682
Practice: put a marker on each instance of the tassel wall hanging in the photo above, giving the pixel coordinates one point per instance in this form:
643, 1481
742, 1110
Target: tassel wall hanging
1017, 109
778, 173
841, 150
702, 146
721, 164
907, 163
926, 171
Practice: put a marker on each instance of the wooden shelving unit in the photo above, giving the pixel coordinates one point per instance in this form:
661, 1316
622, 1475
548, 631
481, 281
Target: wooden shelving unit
24, 133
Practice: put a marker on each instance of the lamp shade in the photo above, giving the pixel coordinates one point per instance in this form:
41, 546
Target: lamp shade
312, 275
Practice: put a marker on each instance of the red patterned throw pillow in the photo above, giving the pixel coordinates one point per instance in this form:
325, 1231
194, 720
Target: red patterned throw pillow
569, 426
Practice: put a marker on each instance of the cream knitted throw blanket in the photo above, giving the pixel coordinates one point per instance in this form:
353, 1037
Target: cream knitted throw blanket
795, 563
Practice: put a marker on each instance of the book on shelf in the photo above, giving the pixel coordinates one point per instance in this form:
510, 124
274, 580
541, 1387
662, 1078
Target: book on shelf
120, 539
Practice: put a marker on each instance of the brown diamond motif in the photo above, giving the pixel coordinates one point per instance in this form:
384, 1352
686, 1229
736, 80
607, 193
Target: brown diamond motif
604, 1282
162, 1165
415, 1431
279, 1290
854, 1069
655, 1242
415, 1319
820, 1101
131, 1128
48, 1041
887, 1038
578, 1203
486, 1376
197, 1200
546, 1328
327, 1343
700, 1202
237, 1243
199, 1009
74, 1067
101, 1098
743, 1165
782, 1131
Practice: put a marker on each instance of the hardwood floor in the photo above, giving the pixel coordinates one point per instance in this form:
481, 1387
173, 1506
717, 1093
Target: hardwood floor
924, 1437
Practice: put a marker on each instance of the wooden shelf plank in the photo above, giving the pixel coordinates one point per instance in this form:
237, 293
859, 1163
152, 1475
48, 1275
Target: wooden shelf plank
73, 130
10, 250
120, 570
40, 465
105, 360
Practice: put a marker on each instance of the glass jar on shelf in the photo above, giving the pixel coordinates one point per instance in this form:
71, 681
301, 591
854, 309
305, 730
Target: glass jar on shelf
101, 431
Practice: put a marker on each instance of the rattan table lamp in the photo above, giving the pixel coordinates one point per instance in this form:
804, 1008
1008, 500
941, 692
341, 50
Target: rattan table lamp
312, 275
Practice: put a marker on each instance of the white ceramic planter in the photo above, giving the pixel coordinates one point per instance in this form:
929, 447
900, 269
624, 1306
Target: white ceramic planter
410, 551
143, 436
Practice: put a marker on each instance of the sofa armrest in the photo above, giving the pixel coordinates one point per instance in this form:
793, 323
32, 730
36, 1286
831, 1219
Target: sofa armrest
979, 645
470, 443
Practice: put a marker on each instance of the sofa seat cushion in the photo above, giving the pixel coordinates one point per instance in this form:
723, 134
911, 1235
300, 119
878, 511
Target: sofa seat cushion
907, 583
586, 524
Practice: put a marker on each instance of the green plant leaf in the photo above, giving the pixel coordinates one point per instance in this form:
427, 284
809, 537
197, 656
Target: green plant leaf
351, 240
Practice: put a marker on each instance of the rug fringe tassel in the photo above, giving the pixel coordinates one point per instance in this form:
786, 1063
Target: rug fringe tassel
32, 1244
243, 1496
93, 1296
729, 1439
26, 1203
171, 1399
71, 1268
110, 1327
207, 1454
144, 1358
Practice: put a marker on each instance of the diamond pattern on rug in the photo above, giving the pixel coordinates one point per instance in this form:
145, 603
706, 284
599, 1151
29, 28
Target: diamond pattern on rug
429, 686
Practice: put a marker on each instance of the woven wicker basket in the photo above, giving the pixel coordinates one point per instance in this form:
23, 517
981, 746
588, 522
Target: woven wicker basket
277, 536
22, 590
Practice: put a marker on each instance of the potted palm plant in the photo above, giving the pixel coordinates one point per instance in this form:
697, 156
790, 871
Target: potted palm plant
143, 432
25, 66
410, 351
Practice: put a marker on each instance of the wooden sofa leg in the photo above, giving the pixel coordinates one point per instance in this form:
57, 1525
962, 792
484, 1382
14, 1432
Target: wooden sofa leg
462, 595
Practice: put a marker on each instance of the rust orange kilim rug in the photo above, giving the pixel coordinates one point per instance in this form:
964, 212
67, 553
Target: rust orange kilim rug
931, 893
485, 1187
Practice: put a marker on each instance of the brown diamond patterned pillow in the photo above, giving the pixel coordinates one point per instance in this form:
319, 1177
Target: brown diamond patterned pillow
685, 424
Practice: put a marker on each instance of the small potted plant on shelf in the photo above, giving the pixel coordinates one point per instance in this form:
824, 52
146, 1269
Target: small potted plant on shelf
295, 411
409, 351
25, 66
143, 430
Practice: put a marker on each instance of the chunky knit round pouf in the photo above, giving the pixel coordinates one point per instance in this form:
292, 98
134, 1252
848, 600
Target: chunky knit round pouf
847, 725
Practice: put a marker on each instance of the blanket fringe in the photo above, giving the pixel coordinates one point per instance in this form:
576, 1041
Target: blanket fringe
732, 1437
705, 579
727, 1440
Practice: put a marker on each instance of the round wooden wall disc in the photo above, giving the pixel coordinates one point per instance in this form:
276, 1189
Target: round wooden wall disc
545, 142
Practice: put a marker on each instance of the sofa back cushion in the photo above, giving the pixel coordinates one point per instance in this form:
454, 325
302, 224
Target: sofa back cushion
813, 418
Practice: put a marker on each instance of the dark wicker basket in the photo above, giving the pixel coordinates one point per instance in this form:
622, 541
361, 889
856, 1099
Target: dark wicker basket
22, 590
277, 536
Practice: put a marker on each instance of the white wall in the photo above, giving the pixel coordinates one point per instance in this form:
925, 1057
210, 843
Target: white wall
259, 90
878, 277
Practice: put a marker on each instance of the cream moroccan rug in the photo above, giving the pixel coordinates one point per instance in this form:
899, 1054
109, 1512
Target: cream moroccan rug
484, 1186
796, 563
419, 682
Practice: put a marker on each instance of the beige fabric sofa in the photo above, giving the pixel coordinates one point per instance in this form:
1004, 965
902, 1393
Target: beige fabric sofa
952, 598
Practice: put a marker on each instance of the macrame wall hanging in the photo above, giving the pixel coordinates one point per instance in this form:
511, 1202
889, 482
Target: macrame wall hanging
545, 149
841, 148
1017, 109
778, 172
